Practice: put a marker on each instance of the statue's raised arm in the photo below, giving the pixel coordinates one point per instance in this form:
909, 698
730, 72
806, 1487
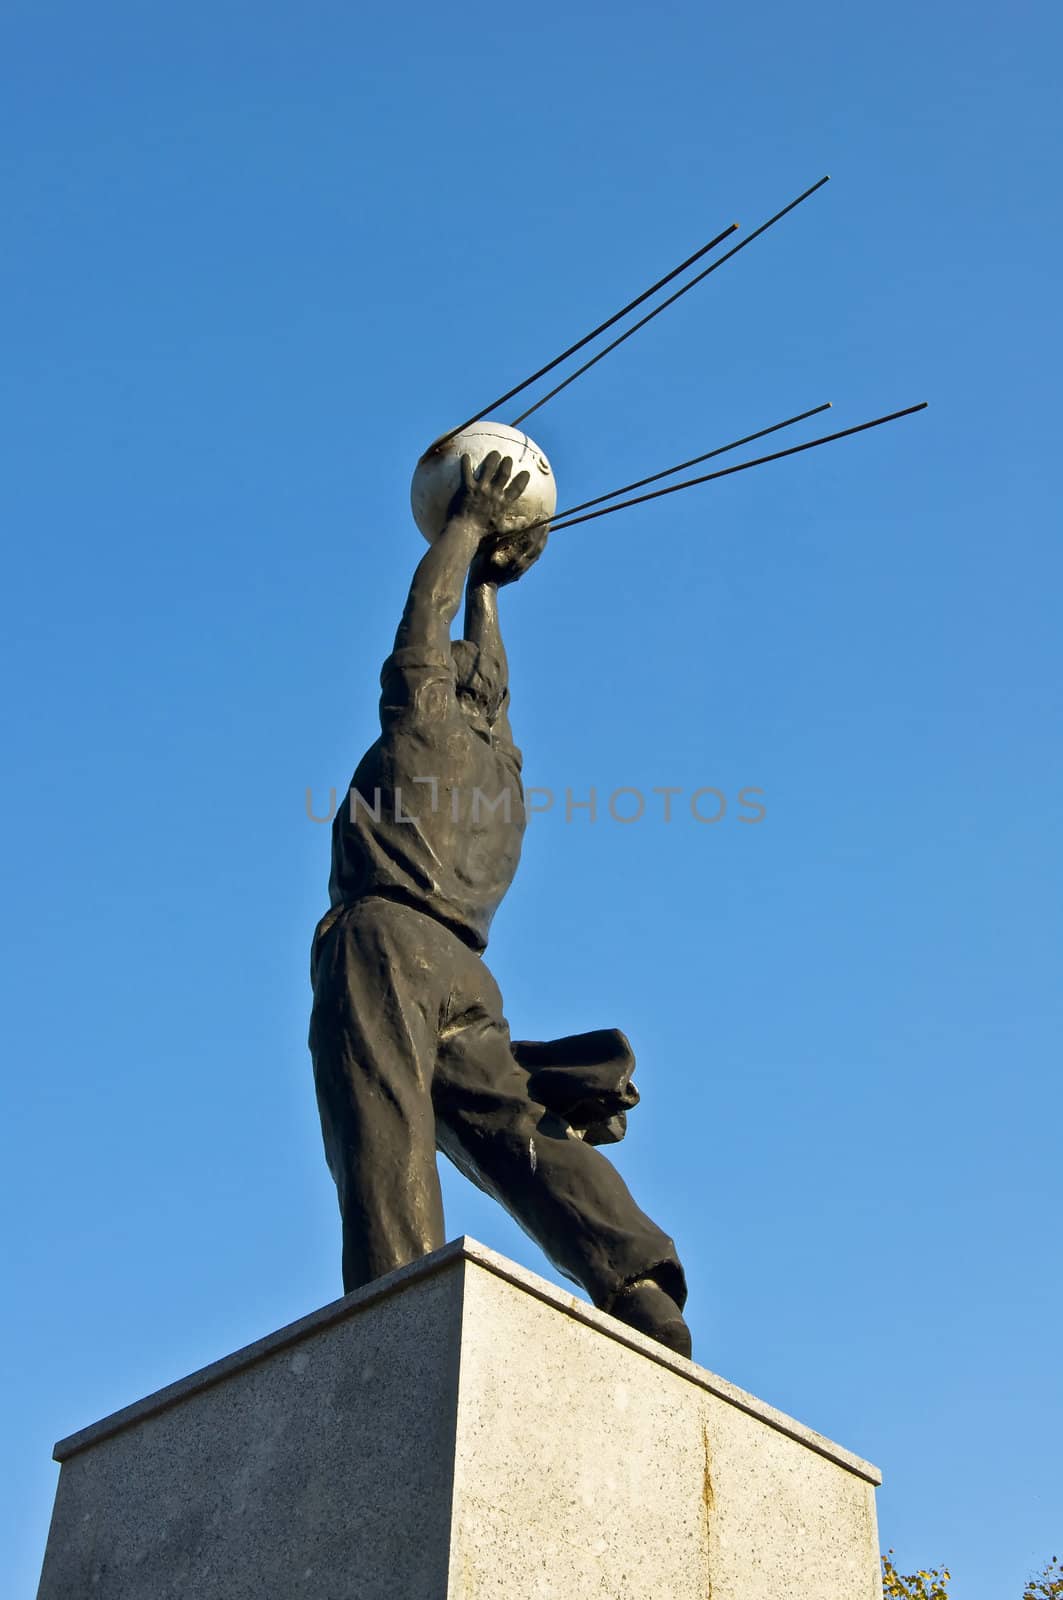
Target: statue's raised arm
477, 508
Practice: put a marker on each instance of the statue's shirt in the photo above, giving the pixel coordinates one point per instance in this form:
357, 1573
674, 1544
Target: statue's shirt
435, 813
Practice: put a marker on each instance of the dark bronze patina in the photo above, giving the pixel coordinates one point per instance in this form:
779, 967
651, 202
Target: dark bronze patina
410, 1047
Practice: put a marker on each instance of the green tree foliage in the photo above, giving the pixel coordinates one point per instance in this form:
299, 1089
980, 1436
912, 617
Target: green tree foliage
922, 1585
933, 1584
1047, 1585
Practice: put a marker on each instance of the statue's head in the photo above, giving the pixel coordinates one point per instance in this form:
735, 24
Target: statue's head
480, 682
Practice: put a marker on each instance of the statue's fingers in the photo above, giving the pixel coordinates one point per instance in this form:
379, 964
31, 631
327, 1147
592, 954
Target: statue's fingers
518, 486
502, 472
487, 466
468, 477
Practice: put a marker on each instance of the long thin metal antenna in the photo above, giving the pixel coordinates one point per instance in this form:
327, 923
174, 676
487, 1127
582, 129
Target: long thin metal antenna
681, 466
602, 328
587, 365
742, 466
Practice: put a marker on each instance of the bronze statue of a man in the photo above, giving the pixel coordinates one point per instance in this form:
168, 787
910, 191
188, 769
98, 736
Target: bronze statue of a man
410, 1047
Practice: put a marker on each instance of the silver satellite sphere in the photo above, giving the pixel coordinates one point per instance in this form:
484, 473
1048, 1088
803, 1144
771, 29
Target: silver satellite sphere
437, 477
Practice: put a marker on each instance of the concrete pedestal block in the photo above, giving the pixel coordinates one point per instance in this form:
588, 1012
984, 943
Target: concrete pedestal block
458, 1430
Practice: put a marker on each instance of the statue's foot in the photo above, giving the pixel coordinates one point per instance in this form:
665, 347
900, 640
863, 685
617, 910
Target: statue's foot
644, 1306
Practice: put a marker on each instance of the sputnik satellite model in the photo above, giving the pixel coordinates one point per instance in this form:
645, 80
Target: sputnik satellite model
438, 473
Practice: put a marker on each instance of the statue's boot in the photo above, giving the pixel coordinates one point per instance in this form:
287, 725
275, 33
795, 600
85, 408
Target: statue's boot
644, 1306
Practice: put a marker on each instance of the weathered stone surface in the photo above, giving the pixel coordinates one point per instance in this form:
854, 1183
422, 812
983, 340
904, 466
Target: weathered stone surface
459, 1429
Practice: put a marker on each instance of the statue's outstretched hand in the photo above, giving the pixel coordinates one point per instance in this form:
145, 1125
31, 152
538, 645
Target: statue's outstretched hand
486, 494
505, 557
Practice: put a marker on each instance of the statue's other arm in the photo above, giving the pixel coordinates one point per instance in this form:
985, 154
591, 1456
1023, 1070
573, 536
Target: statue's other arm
497, 562
483, 629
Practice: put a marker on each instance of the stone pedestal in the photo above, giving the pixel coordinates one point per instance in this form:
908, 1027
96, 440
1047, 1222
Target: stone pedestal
458, 1430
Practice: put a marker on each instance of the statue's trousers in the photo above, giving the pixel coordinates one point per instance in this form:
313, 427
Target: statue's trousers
412, 1053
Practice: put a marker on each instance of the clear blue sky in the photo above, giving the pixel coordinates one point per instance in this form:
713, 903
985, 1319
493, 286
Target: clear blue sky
257, 257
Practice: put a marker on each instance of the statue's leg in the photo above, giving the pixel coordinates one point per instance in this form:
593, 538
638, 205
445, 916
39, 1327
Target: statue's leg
378, 999
561, 1191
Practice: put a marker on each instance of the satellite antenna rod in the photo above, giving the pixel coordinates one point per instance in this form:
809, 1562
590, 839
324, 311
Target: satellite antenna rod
602, 328
681, 466
742, 466
587, 365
